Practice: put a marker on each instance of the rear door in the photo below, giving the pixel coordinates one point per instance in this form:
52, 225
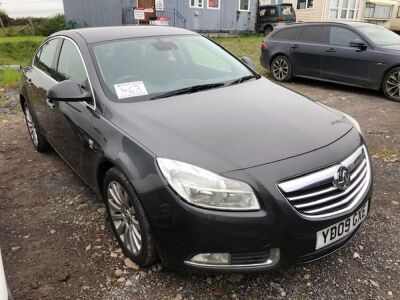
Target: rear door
344, 63
40, 78
71, 120
309, 50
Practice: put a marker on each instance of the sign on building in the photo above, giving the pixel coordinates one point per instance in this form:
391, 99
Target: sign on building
159, 4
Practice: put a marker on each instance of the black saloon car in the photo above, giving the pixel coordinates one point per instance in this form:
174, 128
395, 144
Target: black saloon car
353, 53
201, 162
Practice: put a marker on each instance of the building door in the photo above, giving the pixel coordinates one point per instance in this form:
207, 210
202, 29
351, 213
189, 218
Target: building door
148, 15
243, 15
229, 16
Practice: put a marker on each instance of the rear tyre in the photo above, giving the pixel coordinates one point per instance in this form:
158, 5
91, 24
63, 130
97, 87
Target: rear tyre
391, 84
38, 139
267, 30
281, 68
127, 219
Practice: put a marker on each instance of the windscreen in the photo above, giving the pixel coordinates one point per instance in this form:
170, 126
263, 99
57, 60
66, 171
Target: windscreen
380, 35
146, 66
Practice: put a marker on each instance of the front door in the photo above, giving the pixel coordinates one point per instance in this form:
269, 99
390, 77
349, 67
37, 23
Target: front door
71, 120
344, 63
308, 51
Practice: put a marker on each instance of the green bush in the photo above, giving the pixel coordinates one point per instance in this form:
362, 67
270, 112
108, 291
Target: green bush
51, 25
5, 18
22, 21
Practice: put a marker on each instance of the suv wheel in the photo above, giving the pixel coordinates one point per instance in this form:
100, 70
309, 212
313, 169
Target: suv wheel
127, 219
281, 68
38, 139
267, 30
391, 84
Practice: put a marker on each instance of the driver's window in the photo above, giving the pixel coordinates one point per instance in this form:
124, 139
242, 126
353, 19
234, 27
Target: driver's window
70, 65
341, 36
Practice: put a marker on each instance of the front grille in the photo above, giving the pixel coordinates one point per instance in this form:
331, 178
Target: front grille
315, 195
249, 258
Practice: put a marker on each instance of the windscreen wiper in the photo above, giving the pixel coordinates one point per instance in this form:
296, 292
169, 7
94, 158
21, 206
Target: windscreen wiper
188, 90
242, 79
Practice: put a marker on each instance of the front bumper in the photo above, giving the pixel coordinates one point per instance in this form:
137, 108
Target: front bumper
275, 237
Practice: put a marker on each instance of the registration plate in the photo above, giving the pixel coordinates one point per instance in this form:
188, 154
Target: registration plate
341, 229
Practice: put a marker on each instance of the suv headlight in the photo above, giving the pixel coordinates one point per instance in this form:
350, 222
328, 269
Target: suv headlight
207, 189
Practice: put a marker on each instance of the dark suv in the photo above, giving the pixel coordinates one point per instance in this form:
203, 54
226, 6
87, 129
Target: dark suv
272, 15
358, 54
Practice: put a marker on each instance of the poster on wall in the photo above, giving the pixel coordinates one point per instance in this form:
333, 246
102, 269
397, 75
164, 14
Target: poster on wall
159, 4
139, 13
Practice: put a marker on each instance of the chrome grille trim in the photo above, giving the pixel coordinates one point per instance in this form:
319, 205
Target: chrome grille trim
315, 196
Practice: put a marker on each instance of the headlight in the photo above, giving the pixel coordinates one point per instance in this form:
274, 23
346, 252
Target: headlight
206, 189
355, 123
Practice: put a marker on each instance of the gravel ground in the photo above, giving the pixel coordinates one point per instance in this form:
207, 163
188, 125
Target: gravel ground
56, 242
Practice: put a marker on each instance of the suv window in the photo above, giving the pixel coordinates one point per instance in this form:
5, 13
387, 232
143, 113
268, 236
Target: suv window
313, 34
70, 65
341, 36
287, 34
46, 56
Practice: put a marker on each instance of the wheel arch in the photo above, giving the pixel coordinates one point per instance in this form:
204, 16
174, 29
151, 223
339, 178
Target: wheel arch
380, 87
276, 55
102, 168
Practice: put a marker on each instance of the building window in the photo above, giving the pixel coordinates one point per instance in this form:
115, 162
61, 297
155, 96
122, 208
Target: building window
398, 12
196, 3
303, 4
343, 9
213, 4
377, 11
244, 5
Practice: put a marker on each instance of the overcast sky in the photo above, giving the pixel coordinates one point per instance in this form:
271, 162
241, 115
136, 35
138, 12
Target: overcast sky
32, 8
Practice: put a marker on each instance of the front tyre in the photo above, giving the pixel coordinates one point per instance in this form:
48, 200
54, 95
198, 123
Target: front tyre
127, 219
391, 84
38, 139
281, 68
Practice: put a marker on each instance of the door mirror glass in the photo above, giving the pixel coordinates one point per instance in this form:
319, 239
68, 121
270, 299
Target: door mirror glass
357, 43
68, 91
248, 61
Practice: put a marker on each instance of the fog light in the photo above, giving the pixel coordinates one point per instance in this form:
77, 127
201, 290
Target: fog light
211, 258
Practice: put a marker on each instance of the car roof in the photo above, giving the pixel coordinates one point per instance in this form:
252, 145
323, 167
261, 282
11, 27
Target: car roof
352, 24
102, 34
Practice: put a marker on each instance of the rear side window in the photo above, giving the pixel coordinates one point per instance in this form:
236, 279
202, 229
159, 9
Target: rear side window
46, 58
70, 65
341, 36
313, 34
290, 34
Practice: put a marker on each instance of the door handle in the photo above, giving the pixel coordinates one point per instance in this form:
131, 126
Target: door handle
330, 50
29, 81
50, 104
295, 46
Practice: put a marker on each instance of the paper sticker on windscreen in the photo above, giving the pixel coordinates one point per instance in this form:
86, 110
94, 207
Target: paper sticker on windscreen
130, 89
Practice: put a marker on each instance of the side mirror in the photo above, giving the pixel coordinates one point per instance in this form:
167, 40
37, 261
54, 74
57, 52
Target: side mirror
357, 43
247, 61
68, 91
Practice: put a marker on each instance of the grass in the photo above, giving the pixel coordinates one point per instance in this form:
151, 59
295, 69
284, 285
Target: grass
249, 46
18, 50
9, 78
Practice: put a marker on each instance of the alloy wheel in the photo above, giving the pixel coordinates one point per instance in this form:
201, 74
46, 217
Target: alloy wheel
393, 85
31, 127
280, 68
123, 216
